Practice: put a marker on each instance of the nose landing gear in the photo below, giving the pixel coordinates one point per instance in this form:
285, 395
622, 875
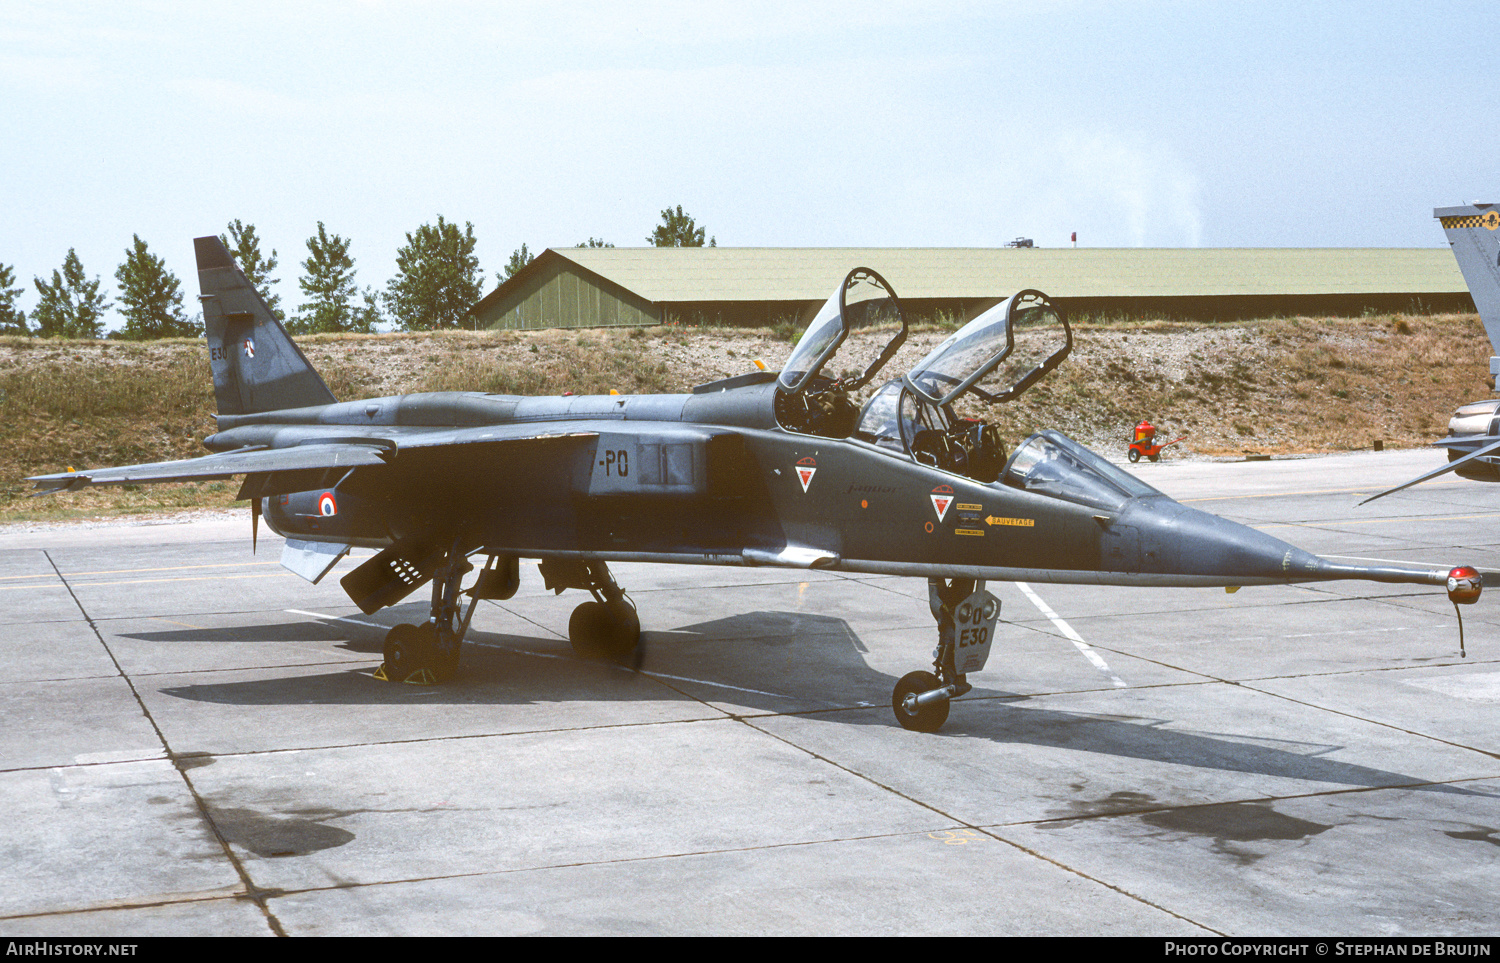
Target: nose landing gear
966, 615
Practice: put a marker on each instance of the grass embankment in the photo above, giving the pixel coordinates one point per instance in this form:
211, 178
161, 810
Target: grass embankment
1271, 386
1275, 386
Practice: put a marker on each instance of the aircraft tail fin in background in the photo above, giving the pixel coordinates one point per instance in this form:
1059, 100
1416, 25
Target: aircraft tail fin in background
257, 367
1474, 234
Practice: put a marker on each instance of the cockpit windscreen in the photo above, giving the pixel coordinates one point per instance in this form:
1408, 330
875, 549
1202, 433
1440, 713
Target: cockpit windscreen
1051, 463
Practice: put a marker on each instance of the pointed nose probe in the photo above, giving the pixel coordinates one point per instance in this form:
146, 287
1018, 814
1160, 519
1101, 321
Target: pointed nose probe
1193, 542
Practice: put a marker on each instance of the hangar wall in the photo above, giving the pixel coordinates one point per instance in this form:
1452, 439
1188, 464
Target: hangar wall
762, 287
560, 294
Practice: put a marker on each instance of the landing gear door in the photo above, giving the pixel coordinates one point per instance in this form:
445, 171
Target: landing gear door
1010, 347
862, 301
974, 631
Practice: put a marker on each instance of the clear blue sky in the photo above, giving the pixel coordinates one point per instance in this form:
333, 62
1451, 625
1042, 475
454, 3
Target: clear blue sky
1160, 124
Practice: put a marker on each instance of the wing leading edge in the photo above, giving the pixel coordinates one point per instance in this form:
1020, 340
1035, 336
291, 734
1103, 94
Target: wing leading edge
312, 455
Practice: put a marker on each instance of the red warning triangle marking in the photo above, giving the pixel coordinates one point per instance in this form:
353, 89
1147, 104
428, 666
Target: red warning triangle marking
940, 504
805, 474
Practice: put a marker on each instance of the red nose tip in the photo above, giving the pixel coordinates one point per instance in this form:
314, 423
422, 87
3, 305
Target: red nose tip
1464, 585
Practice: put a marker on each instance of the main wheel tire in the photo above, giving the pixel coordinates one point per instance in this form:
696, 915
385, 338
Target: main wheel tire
585, 628
1154, 457
405, 652
928, 718
1134, 456
621, 630
604, 630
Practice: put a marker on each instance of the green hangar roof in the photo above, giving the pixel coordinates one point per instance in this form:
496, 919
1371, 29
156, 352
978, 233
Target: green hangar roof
604, 286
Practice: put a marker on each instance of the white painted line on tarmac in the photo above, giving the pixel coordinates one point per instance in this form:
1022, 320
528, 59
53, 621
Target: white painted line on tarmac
339, 618
1074, 637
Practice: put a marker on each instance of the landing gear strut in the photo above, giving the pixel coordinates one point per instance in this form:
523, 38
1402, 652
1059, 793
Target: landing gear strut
966, 616
427, 654
607, 627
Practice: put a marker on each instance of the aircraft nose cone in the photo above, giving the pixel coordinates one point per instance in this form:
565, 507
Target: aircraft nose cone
1177, 540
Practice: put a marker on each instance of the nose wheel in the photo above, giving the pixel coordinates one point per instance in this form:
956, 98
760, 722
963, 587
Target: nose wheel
914, 714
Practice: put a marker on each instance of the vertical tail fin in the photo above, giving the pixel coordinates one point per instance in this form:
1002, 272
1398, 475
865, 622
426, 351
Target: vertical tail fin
1474, 234
257, 367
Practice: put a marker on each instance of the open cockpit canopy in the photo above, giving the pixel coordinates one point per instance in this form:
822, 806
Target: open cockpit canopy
863, 300
1013, 345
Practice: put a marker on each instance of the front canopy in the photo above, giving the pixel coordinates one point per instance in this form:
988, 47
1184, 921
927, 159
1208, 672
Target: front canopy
863, 300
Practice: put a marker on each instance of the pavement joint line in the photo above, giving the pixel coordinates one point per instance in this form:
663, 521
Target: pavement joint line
1246, 684
252, 892
1374, 722
122, 905
477, 874
372, 744
525, 618
978, 829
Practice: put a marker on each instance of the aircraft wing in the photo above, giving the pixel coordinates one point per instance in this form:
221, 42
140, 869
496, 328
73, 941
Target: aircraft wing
308, 454
220, 465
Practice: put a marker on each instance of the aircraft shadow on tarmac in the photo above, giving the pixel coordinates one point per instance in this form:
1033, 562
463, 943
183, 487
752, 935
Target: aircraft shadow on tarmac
279, 632
816, 654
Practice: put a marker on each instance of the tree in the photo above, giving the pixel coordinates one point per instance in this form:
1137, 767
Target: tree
519, 258
328, 279
437, 278
151, 297
12, 321
368, 316
677, 230
246, 251
594, 242
71, 306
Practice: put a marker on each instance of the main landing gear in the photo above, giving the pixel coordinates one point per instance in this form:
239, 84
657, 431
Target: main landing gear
966, 616
607, 627
427, 654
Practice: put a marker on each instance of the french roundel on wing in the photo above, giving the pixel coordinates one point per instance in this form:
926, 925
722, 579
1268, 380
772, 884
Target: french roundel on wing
327, 505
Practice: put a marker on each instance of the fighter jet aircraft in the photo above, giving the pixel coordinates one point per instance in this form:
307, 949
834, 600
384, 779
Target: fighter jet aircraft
765, 468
